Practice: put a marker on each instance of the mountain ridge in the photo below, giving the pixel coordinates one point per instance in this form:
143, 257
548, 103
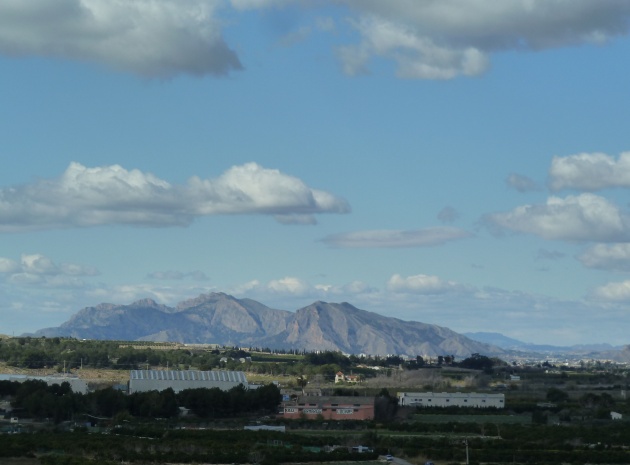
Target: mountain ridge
223, 319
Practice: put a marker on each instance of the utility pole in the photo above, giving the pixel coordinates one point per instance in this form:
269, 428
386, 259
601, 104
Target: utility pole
466, 443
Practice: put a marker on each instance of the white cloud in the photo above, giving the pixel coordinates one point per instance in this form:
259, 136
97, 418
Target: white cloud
416, 56
84, 197
590, 171
38, 264
39, 270
288, 285
584, 217
614, 257
441, 40
128, 293
521, 183
614, 292
293, 292
8, 266
422, 284
397, 238
426, 39
150, 38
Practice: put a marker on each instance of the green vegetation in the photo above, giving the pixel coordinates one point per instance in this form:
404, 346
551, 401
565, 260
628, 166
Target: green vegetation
553, 415
36, 399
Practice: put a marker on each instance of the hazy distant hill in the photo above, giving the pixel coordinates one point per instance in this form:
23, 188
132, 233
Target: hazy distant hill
222, 319
496, 339
508, 343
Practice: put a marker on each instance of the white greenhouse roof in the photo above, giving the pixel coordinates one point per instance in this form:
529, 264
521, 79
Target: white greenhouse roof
190, 375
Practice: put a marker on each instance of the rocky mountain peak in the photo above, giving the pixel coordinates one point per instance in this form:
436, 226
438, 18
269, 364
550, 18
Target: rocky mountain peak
220, 318
203, 299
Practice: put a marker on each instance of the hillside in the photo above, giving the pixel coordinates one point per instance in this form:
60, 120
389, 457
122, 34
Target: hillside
222, 319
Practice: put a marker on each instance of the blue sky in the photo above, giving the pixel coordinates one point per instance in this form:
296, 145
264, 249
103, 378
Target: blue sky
461, 163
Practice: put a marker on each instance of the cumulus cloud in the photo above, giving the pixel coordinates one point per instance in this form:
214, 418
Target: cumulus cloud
521, 183
299, 291
84, 197
391, 238
150, 38
39, 270
425, 38
445, 39
584, 217
8, 266
590, 171
416, 56
288, 285
614, 292
614, 257
422, 284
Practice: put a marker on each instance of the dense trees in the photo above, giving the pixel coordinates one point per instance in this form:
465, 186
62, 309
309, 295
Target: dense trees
58, 402
477, 362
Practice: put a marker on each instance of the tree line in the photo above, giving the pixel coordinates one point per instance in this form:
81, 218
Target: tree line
36, 399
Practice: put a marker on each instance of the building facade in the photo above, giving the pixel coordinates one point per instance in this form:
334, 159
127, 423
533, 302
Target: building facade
451, 399
329, 408
159, 380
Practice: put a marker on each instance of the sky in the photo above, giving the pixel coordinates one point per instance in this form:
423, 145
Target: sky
464, 163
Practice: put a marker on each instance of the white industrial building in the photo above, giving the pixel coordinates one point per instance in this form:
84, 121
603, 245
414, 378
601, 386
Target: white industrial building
159, 380
451, 399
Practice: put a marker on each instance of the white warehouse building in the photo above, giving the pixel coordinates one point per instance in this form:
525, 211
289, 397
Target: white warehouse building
451, 399
159, 380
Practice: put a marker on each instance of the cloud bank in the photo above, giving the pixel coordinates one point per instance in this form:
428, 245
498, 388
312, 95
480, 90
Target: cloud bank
590, 172
426, 39
441, 40
83, 197
613, 257
151, 38
584, 217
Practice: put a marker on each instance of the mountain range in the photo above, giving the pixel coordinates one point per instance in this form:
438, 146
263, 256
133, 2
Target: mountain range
522, 349
509, 343
222, 319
